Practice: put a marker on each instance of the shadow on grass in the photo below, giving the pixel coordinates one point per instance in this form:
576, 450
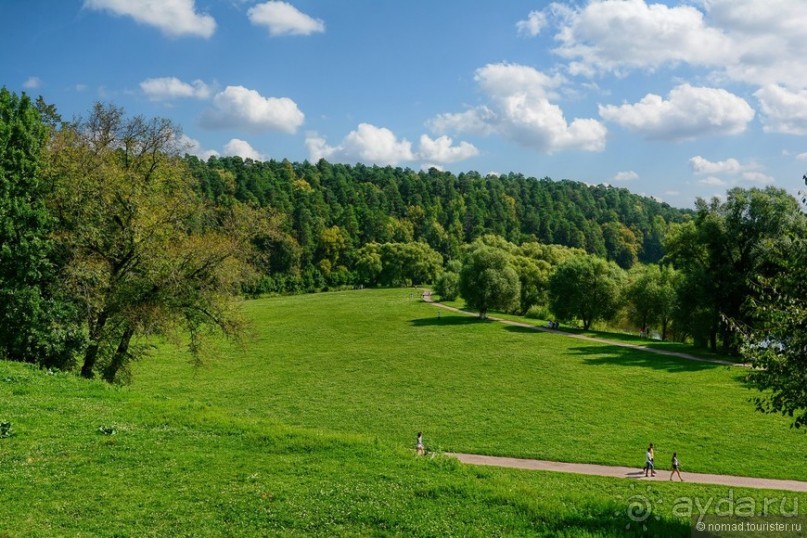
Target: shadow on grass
447, 320
524, 330
593, 520
620, 356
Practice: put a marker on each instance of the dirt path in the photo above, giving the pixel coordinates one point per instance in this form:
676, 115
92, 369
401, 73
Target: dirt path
686, 356
631, 472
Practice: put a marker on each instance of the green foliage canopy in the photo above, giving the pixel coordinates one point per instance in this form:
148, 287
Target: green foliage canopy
587, 288
488, 280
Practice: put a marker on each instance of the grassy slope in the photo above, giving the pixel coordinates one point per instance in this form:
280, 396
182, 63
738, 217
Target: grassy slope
381, 364
204, 452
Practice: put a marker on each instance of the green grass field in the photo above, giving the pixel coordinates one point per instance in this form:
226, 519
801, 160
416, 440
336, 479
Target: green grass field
308, 429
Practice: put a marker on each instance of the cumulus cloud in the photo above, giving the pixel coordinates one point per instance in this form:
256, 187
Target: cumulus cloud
753, 41
620, 35
629, 175
442, 150
379, 145
173, 17
31, 83
282, 18
194, 147
520, 110
166, 88
747, 173
783, 111
241, 108
801, 157
688, 113
699, 165
532, 26
242, 148
367, 143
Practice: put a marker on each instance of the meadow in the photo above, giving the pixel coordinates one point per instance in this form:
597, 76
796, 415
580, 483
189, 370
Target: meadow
308, 428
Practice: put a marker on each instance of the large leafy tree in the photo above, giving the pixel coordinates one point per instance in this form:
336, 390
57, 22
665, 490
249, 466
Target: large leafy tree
144, 254
722, 251
488, 280
652, 296
35, 324
587, 288
776, 341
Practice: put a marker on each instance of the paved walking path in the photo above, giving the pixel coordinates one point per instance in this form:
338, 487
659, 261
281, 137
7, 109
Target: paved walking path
686, 356
631, 472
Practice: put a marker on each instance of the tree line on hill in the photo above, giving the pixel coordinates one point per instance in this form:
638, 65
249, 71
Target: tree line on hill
110, 232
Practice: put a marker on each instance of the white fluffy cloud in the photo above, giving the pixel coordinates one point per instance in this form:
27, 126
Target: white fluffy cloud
367, 144
378, 145
753, 41
242, 149
165, 88
441, 150
699, 165
282, 18
520, 110
619, 35
194, 147
801, 156
747, 173
32, 83
688, 113
241, 108
532, 26
628, 175
173, 17
783, 111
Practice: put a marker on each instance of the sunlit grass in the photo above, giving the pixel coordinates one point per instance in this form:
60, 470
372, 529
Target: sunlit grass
309, 428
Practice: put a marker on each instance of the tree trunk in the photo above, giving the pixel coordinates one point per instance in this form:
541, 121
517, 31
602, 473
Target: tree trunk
119, 358
91, 354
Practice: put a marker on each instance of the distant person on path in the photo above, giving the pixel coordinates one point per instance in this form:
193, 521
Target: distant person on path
420, 449
676, 467
649, 465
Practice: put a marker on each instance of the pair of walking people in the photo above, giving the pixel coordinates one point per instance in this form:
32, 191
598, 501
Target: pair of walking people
650, 464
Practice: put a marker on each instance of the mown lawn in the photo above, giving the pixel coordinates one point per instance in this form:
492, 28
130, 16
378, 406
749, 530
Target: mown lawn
308, 430
380, 363
177, 467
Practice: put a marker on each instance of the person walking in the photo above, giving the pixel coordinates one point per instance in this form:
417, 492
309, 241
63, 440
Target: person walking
676, 467
649, 464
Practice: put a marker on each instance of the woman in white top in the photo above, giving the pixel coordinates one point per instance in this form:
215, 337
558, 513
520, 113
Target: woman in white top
676, 467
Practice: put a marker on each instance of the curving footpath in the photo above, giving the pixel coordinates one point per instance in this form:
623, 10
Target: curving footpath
614, 471
427, 298
630, 472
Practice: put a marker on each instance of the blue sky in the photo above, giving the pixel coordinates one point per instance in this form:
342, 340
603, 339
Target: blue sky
669, 99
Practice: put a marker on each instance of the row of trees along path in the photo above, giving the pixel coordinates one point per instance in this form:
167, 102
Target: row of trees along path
427, 298
614, 471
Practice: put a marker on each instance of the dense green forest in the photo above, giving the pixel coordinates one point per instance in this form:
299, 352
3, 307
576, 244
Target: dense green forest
331, 210
109, 232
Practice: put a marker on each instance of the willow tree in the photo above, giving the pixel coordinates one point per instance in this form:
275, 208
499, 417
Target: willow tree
144, 253
488, 280
776, 341
587, 288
